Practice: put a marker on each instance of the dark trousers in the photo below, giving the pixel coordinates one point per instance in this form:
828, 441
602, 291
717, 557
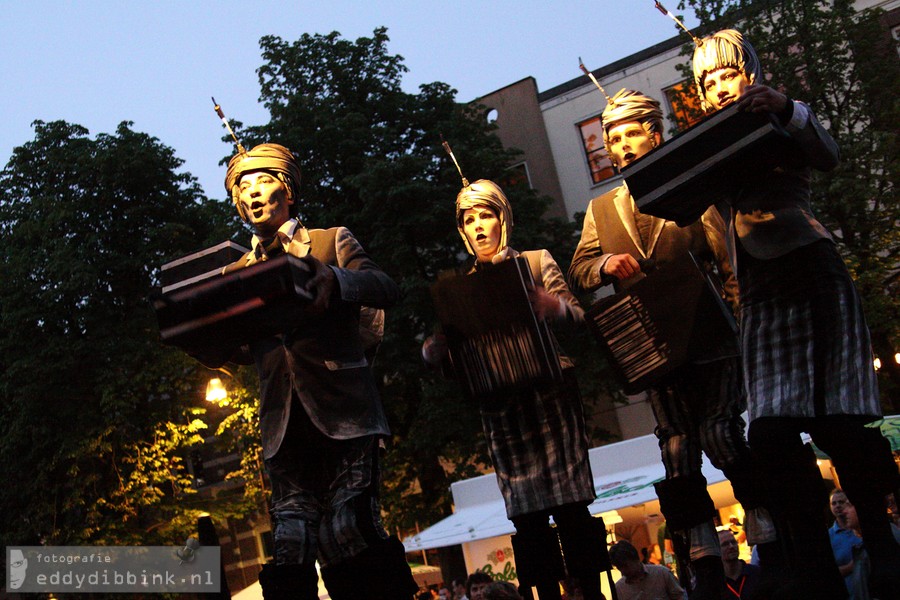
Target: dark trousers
324, 495
796, 494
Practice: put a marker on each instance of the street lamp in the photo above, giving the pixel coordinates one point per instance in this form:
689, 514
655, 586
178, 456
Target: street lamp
215, 390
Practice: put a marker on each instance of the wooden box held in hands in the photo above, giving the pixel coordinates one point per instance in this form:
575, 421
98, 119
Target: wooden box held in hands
219, 311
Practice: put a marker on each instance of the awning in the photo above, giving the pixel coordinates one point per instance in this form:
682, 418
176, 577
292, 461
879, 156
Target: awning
624, 473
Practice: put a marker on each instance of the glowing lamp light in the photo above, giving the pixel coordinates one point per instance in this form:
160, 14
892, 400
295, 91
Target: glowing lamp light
877, 363
897, 358
215, 390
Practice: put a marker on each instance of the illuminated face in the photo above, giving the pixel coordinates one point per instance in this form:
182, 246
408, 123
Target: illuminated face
266, 202
723, 86
444, 594
630, 141
482, 229
478, 591
839, 508
729, 545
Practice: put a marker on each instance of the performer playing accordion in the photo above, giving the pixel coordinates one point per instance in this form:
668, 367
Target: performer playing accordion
537, 437
698, 406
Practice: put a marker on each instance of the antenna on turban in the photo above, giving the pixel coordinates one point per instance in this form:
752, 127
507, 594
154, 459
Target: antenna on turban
219, 112
697, 41
465, 181
594, 79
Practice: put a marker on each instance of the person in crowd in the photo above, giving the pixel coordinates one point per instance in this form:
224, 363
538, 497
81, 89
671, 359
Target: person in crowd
537, 437
741, 579
640, 581
444, 594
476, 583
459, 589
807, 355
320, 415
844, 534
500, 590
698, 407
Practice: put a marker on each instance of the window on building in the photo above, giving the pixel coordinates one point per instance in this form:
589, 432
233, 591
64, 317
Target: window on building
595, 152
895, 33
684, 103
515, 175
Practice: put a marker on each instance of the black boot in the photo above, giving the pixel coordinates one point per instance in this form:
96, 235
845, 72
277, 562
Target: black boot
583, 543
880, 545
798, 502
539, 561
685, 503
381, 571
773, 565
709, 578
868, 475
289, 582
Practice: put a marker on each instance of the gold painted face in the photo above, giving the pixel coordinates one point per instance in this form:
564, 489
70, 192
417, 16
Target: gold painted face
482, 229
724, 86
630, 141
266, 202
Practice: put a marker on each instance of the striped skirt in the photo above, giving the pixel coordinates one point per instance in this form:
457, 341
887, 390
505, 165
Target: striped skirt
539, 448
807, 351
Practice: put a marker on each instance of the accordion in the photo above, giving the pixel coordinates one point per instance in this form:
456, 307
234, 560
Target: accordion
695, 169
671, 317
496, 342
262, 300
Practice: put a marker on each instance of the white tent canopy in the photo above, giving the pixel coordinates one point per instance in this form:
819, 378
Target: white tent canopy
624, 473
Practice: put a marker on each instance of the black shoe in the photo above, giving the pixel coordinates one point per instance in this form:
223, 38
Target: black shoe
709, 579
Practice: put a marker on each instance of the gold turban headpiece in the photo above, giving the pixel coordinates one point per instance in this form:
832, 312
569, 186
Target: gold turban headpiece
273, 158
484, 193
627, 106
725, 48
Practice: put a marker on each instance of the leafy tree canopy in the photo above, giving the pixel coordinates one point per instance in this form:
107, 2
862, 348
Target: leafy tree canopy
94, 412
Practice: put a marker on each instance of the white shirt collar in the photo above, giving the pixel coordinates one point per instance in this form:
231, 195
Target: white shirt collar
285, 233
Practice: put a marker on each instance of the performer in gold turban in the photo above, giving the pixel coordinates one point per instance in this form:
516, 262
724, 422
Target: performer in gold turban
320, 415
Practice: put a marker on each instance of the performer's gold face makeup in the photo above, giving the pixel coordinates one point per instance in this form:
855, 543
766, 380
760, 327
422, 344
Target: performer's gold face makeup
724, 86
482, 229
266, 202
628, 142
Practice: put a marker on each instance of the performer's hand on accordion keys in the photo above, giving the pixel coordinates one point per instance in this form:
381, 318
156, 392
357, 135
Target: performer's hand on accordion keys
545, 305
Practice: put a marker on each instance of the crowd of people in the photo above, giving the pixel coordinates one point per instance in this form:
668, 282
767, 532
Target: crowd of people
801, 362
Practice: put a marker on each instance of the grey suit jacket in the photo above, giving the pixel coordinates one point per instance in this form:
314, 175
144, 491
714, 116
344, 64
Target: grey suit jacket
324, 362
609, 228
773, 216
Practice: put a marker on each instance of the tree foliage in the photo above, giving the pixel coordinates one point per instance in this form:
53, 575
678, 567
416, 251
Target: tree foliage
372, 161
94, 413
844, 64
